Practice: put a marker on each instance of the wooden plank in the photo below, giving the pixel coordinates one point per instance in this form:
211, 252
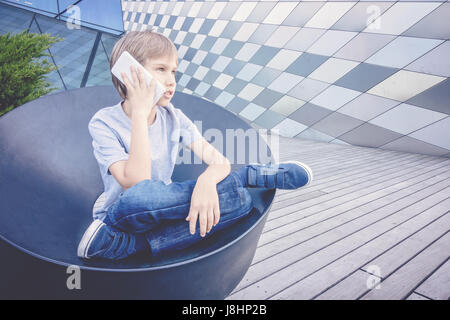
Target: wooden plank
326, 166
376, 181
354, 215
296, 265
380, 156
394, 258
343, 162
415, 296
320, 237
291, 210
288, 223
382, 174
321, 157
342, 195
339, 157
433, 231
300, 198
335, 179
352, 286
403, 281
437, 286
315, 283
332, 173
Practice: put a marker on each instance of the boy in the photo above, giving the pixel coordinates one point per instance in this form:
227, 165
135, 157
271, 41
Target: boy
136, 144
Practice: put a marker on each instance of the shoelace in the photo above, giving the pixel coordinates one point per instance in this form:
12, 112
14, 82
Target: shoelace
121, 246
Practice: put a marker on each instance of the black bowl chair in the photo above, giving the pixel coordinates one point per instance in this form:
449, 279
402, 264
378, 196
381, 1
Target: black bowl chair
49, 182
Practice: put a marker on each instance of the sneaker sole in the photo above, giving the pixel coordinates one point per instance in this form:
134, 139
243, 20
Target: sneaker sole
304, 166
87, 238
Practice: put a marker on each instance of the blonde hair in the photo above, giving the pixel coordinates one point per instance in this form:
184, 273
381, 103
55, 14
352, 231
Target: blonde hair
142, 45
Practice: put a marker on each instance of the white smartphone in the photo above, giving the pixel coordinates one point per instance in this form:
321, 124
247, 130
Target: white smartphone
123, 65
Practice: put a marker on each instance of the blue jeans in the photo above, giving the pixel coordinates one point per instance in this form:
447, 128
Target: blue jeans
158, 211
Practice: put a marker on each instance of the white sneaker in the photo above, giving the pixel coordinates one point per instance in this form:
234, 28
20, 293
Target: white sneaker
88, 237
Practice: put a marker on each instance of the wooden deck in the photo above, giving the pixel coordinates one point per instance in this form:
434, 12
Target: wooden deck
374, 224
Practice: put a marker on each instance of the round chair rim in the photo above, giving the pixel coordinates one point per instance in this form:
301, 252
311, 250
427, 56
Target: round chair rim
142, 269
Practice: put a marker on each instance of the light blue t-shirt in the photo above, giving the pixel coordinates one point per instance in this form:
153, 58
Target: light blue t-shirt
110, 129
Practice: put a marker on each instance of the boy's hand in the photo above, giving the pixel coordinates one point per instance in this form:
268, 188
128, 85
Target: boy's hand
204, 205
139, 95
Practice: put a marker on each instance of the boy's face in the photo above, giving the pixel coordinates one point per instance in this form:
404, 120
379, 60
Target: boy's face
164, 70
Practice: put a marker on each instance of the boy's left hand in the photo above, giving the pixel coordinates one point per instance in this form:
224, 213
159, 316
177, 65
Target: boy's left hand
204, 206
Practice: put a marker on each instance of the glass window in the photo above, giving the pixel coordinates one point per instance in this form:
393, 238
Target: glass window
46, 7
104, 15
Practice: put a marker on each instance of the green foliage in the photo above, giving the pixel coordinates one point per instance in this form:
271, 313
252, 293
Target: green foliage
22, 73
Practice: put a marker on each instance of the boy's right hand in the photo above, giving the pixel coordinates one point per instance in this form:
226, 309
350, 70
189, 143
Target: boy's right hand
139, 96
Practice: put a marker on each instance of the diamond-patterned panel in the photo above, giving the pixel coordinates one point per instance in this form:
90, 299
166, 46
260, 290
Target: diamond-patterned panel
371, 73
335, 71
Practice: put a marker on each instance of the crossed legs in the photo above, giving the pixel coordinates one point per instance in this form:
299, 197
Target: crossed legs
154, 213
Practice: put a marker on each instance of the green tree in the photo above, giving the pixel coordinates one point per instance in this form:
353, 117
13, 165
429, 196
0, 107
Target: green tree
22, 74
